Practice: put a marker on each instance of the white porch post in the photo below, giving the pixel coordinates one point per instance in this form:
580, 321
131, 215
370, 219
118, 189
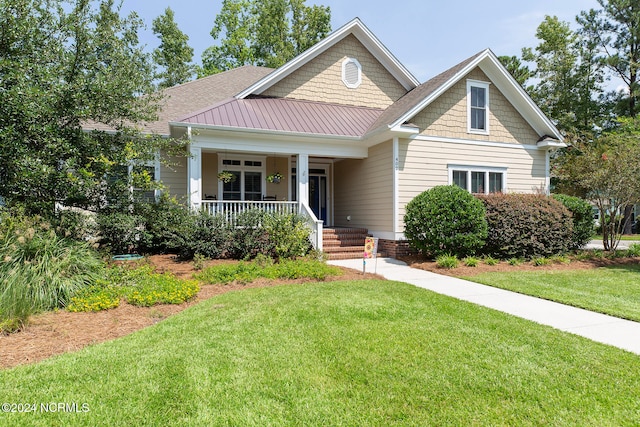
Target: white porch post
194, 181
302, 173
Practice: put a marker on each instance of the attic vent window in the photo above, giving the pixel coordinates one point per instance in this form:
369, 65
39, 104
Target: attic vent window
351, 73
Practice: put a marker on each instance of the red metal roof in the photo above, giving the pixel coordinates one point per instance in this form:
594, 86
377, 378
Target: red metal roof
288, 115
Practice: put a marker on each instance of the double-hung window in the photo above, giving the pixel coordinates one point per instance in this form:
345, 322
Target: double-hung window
477, 179
478, 107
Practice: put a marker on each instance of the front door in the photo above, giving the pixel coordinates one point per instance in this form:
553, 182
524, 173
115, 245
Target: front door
318, 196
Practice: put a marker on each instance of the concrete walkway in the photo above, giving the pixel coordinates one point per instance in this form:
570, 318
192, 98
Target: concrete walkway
620, 333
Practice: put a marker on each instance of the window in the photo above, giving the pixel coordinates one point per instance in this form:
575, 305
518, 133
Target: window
248, 175
351, 73
477, 179
478, 107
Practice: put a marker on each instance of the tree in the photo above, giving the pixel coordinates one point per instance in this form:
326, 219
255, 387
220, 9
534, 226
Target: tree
173, 55
616, 30
605, 170
63, 68
516, 68
266, 33
569, 76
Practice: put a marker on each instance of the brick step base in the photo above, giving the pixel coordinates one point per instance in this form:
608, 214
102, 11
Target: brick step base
344, 243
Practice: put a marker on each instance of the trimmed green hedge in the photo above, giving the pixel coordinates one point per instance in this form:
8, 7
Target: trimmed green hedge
583, 224
526, 225
445, 220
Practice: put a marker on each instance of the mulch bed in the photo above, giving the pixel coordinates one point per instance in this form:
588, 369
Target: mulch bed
53, 333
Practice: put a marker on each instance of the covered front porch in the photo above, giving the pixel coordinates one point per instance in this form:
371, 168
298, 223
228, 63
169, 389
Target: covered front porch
228, 183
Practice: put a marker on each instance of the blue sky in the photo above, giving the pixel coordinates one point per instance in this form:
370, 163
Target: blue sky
427, 36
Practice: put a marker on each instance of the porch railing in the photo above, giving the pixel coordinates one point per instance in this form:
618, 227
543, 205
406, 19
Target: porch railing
316, 226
230, 210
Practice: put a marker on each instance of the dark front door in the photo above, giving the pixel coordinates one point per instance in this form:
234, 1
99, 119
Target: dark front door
318, 196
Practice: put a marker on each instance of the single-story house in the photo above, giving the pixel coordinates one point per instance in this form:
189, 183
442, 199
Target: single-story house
353, 136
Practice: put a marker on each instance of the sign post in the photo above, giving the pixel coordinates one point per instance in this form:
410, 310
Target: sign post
370, 252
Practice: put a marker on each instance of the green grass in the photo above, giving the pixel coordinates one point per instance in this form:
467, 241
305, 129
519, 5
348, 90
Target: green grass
626, 237
365, 353
609, 290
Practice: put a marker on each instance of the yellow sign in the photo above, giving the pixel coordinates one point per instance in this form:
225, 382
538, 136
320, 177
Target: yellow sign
370, 247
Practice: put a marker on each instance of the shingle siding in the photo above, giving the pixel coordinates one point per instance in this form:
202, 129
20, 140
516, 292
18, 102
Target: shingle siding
447, 116
321, 79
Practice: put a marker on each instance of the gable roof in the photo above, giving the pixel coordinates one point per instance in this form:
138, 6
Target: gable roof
287, 115
363, 34
403, 110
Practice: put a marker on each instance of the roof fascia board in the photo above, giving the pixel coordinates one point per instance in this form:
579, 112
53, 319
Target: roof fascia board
363, 34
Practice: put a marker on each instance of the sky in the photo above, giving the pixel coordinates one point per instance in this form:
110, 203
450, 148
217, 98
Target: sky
426, 36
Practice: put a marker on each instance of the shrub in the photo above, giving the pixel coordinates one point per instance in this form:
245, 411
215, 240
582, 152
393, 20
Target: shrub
166, 223
540, 261
470, 261
447, 261
526, 225
122, 233
248, 237
209, 236
583, 224
489, 260
515, 261
445, 220
39, 270
288, 234
634, 250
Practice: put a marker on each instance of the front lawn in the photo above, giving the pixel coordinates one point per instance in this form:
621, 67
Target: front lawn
341, 353
609, 290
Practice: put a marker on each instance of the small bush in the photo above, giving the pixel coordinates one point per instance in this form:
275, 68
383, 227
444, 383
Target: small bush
198, 261
526, 225
514, 261
540, 261
122, 233
445, 220
489, 260
560, 259
471, 261
634, 250
582, 215
288, 234
447, 261
167, 223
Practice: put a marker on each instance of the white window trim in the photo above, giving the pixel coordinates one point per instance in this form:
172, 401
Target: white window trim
486, 169
344, 73
485, 86
242, 168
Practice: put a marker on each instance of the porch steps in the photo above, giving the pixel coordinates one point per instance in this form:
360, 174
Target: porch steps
344, 243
